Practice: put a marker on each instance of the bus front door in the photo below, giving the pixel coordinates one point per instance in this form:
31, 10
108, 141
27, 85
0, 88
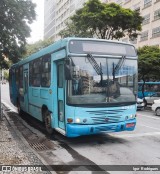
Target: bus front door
25, 75
60, 84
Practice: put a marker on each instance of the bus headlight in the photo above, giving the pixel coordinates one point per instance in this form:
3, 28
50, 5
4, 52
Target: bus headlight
77, 120
132, 116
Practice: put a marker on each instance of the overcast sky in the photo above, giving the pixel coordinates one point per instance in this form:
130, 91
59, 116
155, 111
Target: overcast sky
38, 26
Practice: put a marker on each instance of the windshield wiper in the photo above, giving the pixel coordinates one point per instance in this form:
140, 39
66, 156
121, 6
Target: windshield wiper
94, 64
118, 66
97, 68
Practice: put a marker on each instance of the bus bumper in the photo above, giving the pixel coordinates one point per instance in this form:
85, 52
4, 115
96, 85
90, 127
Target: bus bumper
75, 130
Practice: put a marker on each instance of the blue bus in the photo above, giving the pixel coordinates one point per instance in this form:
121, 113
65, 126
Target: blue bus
150, 88
78, 86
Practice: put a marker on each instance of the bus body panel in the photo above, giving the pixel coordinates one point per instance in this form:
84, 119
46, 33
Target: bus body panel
97, 120
39, 98
74, 130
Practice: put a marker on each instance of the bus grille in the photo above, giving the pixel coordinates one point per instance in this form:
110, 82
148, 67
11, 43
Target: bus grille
106, 116
106, 128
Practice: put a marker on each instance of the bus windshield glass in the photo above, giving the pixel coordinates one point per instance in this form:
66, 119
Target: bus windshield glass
96, 47
102, 80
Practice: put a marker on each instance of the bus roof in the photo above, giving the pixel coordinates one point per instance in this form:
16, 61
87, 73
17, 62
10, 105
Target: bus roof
61, 44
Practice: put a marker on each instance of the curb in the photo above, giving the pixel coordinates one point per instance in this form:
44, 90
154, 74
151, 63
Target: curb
26, 143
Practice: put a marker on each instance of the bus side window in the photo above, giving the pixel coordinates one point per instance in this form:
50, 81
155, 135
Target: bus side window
36, 78
146, 87
139, 87
31, 73
155, 88
21, 77
46, 71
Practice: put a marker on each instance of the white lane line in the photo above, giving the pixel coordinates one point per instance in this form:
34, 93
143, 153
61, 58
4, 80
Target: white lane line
149, 127
139, 115
8, 106
136, 135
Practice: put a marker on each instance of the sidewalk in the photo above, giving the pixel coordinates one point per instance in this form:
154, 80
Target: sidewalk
15, 151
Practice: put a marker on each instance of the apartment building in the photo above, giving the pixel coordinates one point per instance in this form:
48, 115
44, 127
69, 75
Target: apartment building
56, 13
150, 11
49, 18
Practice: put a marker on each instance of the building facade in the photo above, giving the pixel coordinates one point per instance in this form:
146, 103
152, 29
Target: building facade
150, 11
57, 12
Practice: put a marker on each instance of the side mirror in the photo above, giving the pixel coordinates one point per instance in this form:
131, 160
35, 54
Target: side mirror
68, 69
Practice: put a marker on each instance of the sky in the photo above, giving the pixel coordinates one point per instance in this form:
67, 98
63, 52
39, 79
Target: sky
37, 26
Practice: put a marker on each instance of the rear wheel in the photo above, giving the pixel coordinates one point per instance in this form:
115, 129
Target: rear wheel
48, 121
158, 111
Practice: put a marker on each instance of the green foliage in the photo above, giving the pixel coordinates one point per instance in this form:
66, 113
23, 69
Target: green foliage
15, 17
149, 63
103, 20
6, 75
33, 48
71, 31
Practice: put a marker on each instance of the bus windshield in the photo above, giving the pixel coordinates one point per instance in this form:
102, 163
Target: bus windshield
97, 80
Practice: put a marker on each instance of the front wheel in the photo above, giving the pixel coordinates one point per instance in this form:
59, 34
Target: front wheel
158, 111
48, 121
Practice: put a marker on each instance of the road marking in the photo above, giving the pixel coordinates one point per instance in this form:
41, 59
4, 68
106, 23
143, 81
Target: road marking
149, 127
136, 135
148, 116
8, 106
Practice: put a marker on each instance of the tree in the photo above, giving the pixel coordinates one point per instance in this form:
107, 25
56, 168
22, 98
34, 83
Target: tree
15, 17
148, 64
71, 30
32, 48
6, 75
103, 20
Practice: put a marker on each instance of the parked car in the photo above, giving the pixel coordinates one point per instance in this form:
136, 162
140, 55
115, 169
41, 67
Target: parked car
156, 107
140, 104
148, 101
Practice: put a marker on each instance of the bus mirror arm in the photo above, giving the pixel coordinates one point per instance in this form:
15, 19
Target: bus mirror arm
68, 69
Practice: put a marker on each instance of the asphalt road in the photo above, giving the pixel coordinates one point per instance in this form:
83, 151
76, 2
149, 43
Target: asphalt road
140, 147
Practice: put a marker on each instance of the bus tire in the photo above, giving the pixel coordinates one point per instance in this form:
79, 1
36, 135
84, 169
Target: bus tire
158, 111
48, 121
